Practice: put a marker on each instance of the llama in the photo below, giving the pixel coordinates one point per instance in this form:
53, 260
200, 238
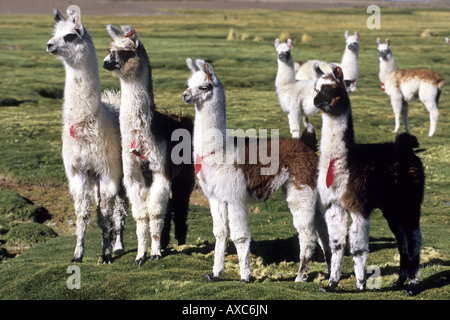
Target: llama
91, 147
295, 96
360, 177
405, 85
349, 64
150, 174
230, 185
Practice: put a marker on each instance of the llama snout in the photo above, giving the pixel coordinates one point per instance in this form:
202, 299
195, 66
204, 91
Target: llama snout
187, 96
52, 48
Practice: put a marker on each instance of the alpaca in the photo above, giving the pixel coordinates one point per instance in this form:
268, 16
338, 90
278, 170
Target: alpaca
360, 177
150, 174
295, 96
230, 185
349, 64
90, 138
405, 85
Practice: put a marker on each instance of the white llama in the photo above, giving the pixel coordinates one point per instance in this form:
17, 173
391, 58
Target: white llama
150, 173
230, 184
349, 64
360, 177
405, 85
295, 96
91, 147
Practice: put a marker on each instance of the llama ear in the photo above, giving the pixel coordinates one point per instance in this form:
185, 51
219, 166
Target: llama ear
130, 33
206, 68
337, 72
317, 70
114, 32
290, 43
357, 35
74, 14
388, 42
58, 15
378, 40
277, 43
346, 34
190, 64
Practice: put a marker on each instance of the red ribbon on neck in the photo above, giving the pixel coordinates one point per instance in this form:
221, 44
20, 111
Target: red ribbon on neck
383, 87
330, 172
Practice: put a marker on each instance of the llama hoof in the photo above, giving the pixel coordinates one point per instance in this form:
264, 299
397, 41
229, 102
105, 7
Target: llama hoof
301, 278
107, 259
211, 277
139, 262
330, 288
412, 290
77, 260
249, 280
155, 257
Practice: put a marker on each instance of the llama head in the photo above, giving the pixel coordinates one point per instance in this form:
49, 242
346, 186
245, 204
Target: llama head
352, 42
70, 42
203, 83
384, 50
283, 49
332, 97
127, 54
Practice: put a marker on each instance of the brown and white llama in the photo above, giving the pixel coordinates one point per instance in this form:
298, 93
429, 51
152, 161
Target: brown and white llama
232, 172
357, 178
91, 147
405, 85
150, 174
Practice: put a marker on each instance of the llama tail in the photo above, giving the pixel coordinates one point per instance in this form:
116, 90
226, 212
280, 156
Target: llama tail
406, 142
309, 137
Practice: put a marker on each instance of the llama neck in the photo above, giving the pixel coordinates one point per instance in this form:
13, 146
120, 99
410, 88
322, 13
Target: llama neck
349, 63
82, 91
285, 73
337, 135
210, 126
387, 67
137, 103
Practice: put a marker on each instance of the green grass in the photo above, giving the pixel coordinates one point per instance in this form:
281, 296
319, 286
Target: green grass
30, 151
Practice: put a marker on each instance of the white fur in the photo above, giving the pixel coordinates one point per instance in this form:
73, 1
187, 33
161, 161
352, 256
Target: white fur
92, 156
401, 91
295, 96
225, 185
349, 63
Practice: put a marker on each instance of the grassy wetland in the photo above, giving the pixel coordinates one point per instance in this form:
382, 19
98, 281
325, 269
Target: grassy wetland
33, 188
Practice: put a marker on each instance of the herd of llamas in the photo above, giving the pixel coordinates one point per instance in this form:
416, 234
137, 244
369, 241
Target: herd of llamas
117, 151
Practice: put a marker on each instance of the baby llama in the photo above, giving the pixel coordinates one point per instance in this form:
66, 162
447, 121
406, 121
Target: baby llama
230, 178
360, 177
405, 85
90, 139
349, 64
295, 96
150, 174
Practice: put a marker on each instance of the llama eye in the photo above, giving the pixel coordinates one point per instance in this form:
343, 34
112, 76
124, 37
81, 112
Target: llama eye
70, 37
206, 87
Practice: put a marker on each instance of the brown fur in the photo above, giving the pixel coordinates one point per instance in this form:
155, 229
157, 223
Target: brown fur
430, 76
295, 156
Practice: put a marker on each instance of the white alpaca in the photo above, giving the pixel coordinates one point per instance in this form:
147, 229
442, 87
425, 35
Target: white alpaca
150, 174
90, 139
405, 85
230, 179
295, 96
349, 64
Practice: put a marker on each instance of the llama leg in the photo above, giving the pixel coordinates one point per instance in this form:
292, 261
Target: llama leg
219, 215
302, 206
397, 106
405, 111
119, 213
336, 218
414, 237
81, 188
157, 205
104, 220
434, 115
322, 232
294, 123
402, 245
359, 247
240, 235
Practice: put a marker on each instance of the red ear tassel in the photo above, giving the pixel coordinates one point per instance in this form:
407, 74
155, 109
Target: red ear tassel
207, 71
389, 42
130, 34
357, 35
339, 69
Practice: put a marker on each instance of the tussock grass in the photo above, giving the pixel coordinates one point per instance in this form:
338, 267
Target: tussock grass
30, 151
